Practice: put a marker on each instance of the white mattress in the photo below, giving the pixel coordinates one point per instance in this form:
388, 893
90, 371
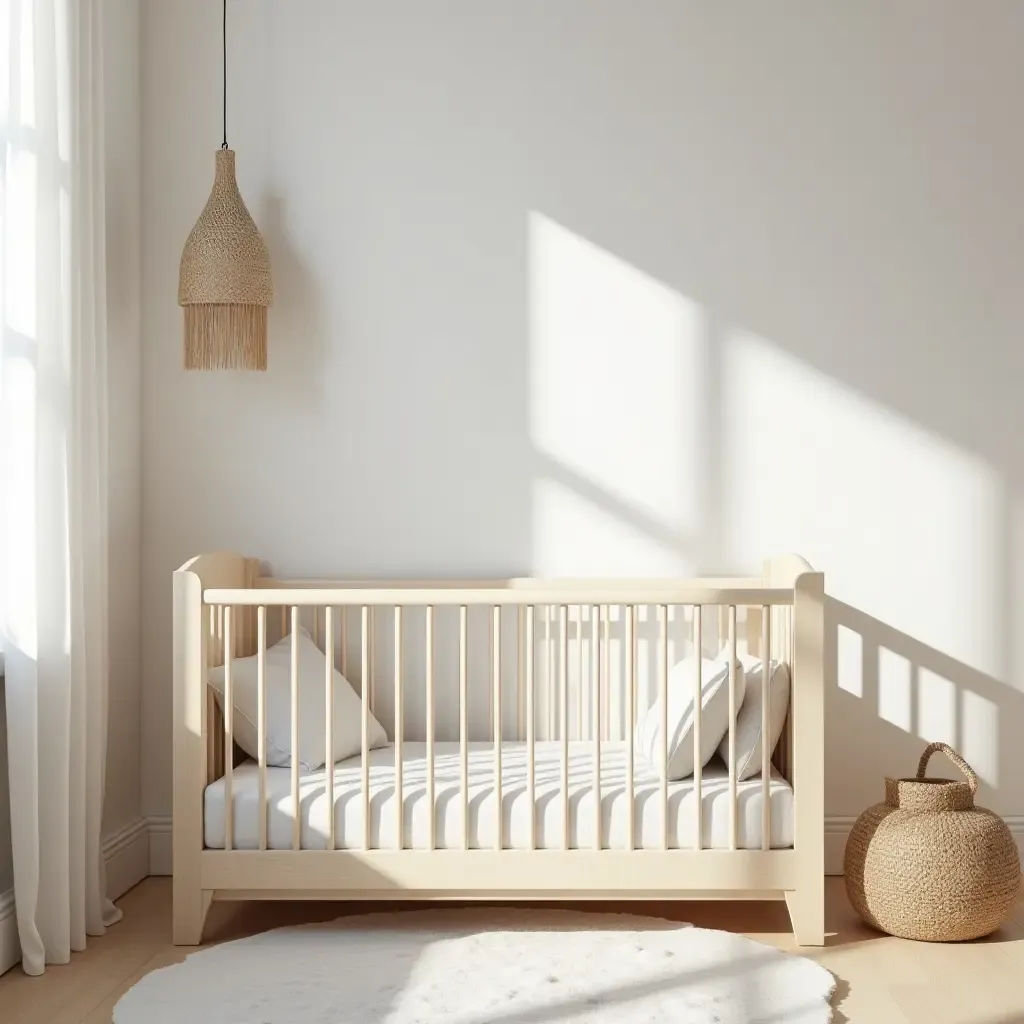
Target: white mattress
348, 802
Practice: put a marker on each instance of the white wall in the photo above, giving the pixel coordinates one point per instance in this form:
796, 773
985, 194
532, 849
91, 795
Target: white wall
649, 287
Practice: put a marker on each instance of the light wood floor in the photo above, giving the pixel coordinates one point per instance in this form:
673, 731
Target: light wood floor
880, 979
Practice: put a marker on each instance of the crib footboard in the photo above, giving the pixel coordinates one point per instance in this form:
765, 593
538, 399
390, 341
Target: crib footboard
514, 766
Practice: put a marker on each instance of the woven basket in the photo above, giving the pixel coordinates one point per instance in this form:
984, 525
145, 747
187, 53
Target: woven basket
927, 864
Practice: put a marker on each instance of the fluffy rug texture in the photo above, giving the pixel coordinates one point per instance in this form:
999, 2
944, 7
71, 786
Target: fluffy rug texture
485, 965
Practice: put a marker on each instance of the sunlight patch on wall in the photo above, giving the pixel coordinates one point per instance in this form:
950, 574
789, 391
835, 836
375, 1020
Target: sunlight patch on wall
617, 360
936, 703
979, 729
895, 693
905, 524
850, 661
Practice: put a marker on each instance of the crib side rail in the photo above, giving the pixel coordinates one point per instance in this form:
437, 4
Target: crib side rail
661, 592
784, 618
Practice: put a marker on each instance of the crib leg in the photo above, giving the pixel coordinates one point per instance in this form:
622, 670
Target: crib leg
190, 910
806, 907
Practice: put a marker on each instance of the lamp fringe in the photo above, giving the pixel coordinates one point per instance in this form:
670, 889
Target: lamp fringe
222, 336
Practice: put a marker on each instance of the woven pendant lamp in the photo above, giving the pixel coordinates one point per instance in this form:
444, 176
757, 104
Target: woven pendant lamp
224, 282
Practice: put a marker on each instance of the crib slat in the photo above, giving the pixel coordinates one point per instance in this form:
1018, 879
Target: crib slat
788, 734
329, 712
296, 820
520, 672
261, 716
580, 687
365, 722
229, 733
605, 675
598, 680
399, 728
496, 682
214, 737
490, 708
663, 697
284, 621
431, 824
766, 718
630, 724
564, 682
316, 625
531, 789
463, 728
698, 702
373, 658
733, 798
343, 626
552, 686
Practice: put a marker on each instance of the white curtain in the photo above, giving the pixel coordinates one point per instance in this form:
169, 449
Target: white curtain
53, 468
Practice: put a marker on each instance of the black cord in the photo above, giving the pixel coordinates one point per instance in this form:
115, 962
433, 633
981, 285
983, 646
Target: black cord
224, 37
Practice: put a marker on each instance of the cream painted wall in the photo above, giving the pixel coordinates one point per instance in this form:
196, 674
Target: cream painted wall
648, 287
122, 39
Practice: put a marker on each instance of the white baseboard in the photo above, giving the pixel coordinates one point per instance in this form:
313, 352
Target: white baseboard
837, 830
160, 859
126, 854
10, 948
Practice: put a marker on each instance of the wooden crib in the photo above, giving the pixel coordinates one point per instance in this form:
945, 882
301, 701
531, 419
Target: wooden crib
549, 681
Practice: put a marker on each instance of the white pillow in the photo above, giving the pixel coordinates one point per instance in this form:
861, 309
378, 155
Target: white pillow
748, 721
714, 719
312, 711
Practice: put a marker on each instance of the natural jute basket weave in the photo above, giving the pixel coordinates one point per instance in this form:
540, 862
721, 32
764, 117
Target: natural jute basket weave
927, 864
224, 281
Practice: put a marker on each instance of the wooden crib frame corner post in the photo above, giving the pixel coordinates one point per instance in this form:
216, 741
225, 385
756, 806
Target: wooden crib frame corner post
191, 901
806, 903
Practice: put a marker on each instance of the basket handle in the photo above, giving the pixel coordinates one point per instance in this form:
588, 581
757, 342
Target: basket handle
972, 778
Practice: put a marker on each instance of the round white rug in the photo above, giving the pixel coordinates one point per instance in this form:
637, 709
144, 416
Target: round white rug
485, 966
